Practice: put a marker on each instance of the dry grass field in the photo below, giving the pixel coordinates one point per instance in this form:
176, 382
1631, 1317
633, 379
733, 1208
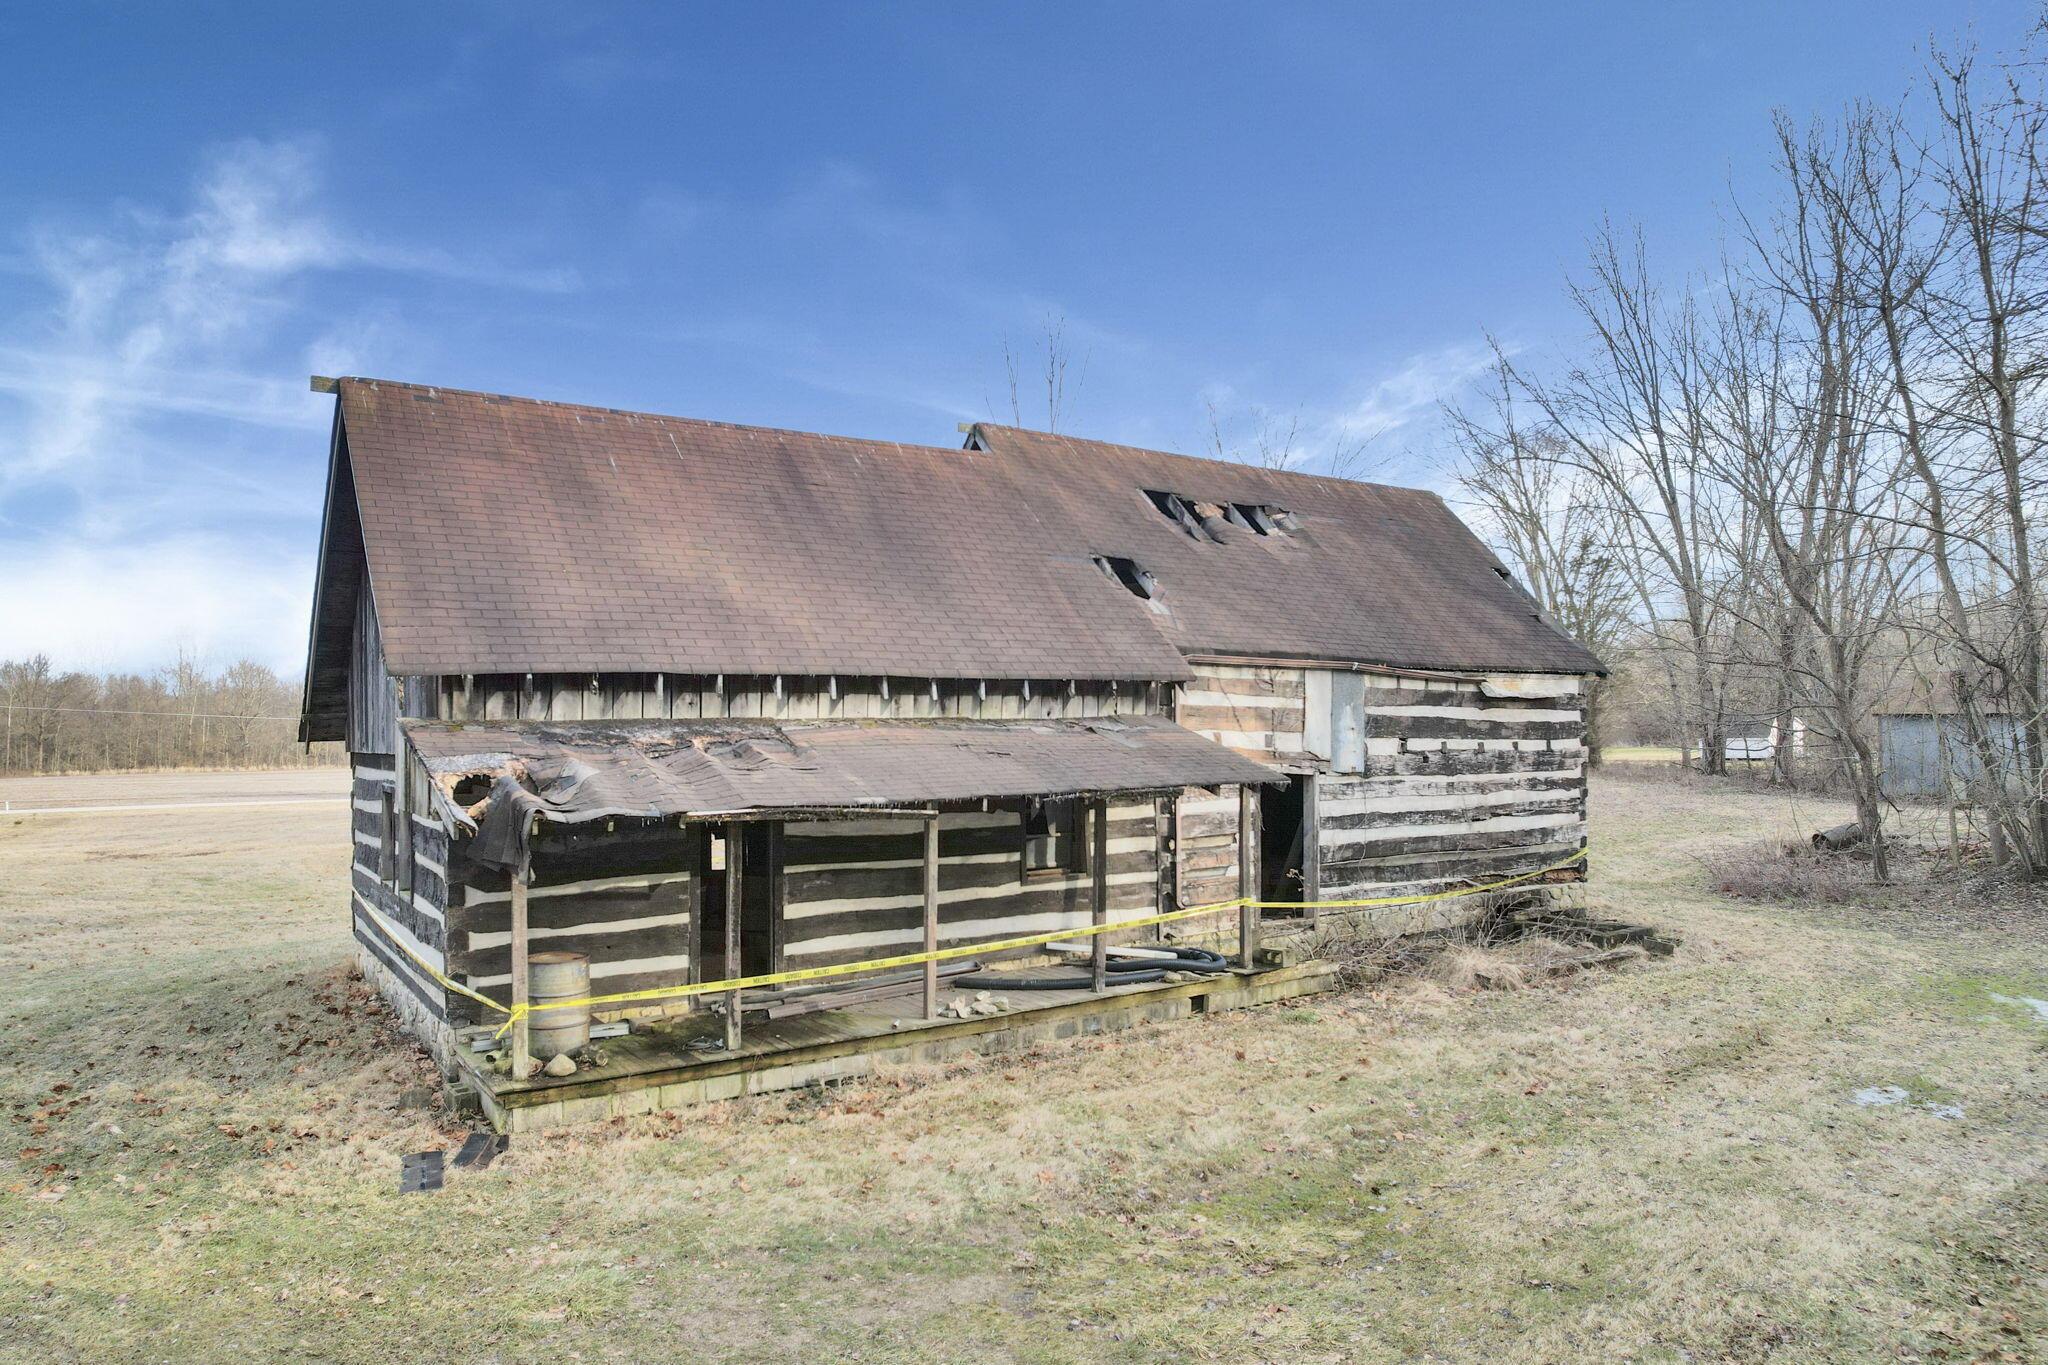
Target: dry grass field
1660, 1163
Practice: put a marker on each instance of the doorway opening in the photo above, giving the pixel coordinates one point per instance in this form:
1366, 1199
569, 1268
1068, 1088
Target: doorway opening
1283, 831
760, 867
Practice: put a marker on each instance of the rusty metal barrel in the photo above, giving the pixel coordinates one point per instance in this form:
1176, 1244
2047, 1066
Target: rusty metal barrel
553, 1029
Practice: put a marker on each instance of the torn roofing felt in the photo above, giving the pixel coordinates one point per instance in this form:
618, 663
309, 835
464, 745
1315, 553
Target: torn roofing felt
736, 769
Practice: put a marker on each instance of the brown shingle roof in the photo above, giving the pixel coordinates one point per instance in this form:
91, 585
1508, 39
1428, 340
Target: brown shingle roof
508, 535
1372, 574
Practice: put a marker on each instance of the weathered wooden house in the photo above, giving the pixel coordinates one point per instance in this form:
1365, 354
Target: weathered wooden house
766, 701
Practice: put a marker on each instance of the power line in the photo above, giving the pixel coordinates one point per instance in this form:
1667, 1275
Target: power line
113, 711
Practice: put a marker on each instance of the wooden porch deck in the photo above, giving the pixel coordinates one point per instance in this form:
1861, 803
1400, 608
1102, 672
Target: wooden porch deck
656, 1066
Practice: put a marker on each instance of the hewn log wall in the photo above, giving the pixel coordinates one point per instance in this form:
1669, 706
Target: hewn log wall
411, 918
1422, 784
1458, 787
624, 895
853, 889
1258, 712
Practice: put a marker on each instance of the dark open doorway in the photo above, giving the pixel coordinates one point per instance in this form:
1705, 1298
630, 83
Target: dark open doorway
760, 863
1282, 830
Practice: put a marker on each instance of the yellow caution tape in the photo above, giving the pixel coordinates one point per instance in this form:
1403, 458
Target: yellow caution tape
514, 1013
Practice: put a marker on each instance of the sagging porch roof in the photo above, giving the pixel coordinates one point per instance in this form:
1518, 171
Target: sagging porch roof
737, 769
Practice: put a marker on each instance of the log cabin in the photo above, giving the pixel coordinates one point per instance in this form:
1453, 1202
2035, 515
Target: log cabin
698, 701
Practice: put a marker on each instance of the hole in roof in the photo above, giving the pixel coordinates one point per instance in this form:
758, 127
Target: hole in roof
1136, 580
1184, 512
1263, 518
1204, 520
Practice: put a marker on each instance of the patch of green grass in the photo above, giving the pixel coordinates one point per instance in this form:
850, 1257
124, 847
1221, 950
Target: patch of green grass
1975, 996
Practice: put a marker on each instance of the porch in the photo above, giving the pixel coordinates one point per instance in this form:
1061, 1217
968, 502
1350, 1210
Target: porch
682, 1060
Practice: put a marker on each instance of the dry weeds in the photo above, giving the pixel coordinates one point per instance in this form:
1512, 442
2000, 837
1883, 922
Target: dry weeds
1660, 1163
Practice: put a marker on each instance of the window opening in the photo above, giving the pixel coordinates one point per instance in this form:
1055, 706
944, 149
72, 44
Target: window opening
387, 836
1052, 838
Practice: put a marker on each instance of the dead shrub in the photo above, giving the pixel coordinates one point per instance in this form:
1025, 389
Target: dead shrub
1796, 873
1477, 958
1364, 958
1510, 966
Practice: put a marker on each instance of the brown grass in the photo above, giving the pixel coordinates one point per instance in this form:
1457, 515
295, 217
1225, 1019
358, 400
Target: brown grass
203, 1127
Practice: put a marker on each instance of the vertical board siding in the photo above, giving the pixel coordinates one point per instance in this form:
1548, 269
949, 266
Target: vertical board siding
670, 696
372, 699
853, 889
624, 897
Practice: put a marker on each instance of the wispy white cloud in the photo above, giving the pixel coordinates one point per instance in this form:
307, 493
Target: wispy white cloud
146, 371
1384, 432
1415, 390
161, 313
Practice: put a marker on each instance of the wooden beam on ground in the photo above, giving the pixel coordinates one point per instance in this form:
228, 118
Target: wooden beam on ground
931, 915
1098, 905
1247, 874
735, 843
521, 1057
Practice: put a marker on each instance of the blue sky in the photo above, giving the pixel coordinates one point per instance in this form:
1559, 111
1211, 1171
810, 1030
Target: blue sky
826, 217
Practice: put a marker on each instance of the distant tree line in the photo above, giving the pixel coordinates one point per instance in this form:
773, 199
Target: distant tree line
1790, 488
177, 717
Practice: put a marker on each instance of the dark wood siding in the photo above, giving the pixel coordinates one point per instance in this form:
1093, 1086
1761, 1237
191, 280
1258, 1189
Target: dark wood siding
623, 895
401, 928
853, 889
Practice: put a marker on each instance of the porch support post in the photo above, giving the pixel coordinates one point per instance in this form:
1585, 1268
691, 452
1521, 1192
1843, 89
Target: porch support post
521, 1057
1311, 849
1098, 865
735, 841
1247, 874
931, 915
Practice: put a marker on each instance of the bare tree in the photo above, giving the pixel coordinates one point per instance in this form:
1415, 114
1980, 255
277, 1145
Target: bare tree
1059, 374
1632, 419
1799, 386
1259, 436
1535, 507
1982, 311
1271, 442
179, 716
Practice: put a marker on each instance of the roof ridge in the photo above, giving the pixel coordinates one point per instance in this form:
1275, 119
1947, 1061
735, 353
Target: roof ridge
642, 414
1032, 433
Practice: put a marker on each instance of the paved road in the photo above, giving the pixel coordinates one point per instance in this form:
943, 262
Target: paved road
172, 790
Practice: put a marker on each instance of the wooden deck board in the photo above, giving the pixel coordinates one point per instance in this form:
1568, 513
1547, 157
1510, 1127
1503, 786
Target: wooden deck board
659, 1055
